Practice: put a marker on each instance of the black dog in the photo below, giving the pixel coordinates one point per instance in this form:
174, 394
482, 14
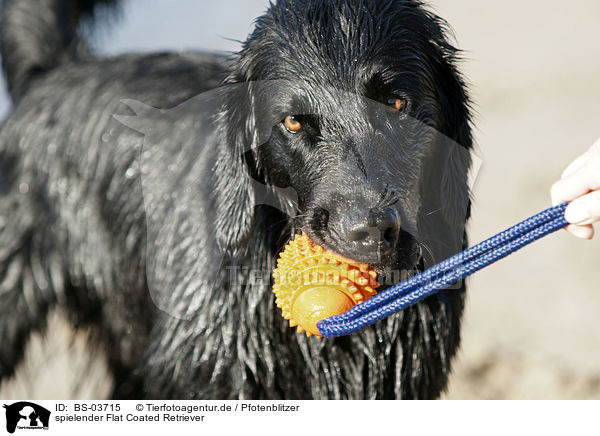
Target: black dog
166, 283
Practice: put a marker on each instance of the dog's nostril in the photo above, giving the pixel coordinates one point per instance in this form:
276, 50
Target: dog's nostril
381, 226
390, 235
320, 218
387, 223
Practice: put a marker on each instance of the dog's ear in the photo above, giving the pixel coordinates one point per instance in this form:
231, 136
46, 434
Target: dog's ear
234, 194
455, 124
451, 90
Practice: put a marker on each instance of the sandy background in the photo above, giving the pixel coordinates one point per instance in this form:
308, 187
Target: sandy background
530, 329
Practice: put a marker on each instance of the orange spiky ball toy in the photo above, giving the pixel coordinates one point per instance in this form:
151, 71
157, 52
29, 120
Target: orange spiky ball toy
312, 284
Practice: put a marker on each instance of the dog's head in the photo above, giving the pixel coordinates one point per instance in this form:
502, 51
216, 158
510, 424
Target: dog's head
346, 102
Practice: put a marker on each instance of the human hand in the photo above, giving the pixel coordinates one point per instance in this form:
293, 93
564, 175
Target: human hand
580, 184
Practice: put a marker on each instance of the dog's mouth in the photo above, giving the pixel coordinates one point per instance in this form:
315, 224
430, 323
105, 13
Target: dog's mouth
407, 261
312, 283
392, 265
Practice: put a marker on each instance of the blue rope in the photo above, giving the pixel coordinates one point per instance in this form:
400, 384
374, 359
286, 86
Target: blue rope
444, 274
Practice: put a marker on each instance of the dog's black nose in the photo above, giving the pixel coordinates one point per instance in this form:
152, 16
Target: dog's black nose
381, 227
358, 233
366, 236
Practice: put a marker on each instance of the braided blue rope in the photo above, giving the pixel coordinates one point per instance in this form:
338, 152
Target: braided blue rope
444, 274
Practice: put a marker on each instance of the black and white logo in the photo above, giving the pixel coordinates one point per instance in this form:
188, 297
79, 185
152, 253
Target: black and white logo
26, 416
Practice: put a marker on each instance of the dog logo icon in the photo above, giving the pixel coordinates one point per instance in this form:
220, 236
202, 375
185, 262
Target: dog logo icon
26, 415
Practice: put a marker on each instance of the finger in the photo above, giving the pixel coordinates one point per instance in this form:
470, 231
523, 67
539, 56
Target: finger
583, 232
577, 184
584, 210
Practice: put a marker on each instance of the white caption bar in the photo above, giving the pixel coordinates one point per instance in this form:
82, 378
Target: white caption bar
305, 418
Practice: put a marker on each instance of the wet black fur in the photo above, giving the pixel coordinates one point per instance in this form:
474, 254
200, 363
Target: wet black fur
72, 218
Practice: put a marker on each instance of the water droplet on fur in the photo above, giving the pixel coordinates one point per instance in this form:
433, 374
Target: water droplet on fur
62, 186
130, 173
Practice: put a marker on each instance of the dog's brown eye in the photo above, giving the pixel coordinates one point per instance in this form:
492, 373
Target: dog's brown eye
292, 124
397, 104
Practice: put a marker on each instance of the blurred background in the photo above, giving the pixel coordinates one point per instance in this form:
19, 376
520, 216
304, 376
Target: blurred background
531, 324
